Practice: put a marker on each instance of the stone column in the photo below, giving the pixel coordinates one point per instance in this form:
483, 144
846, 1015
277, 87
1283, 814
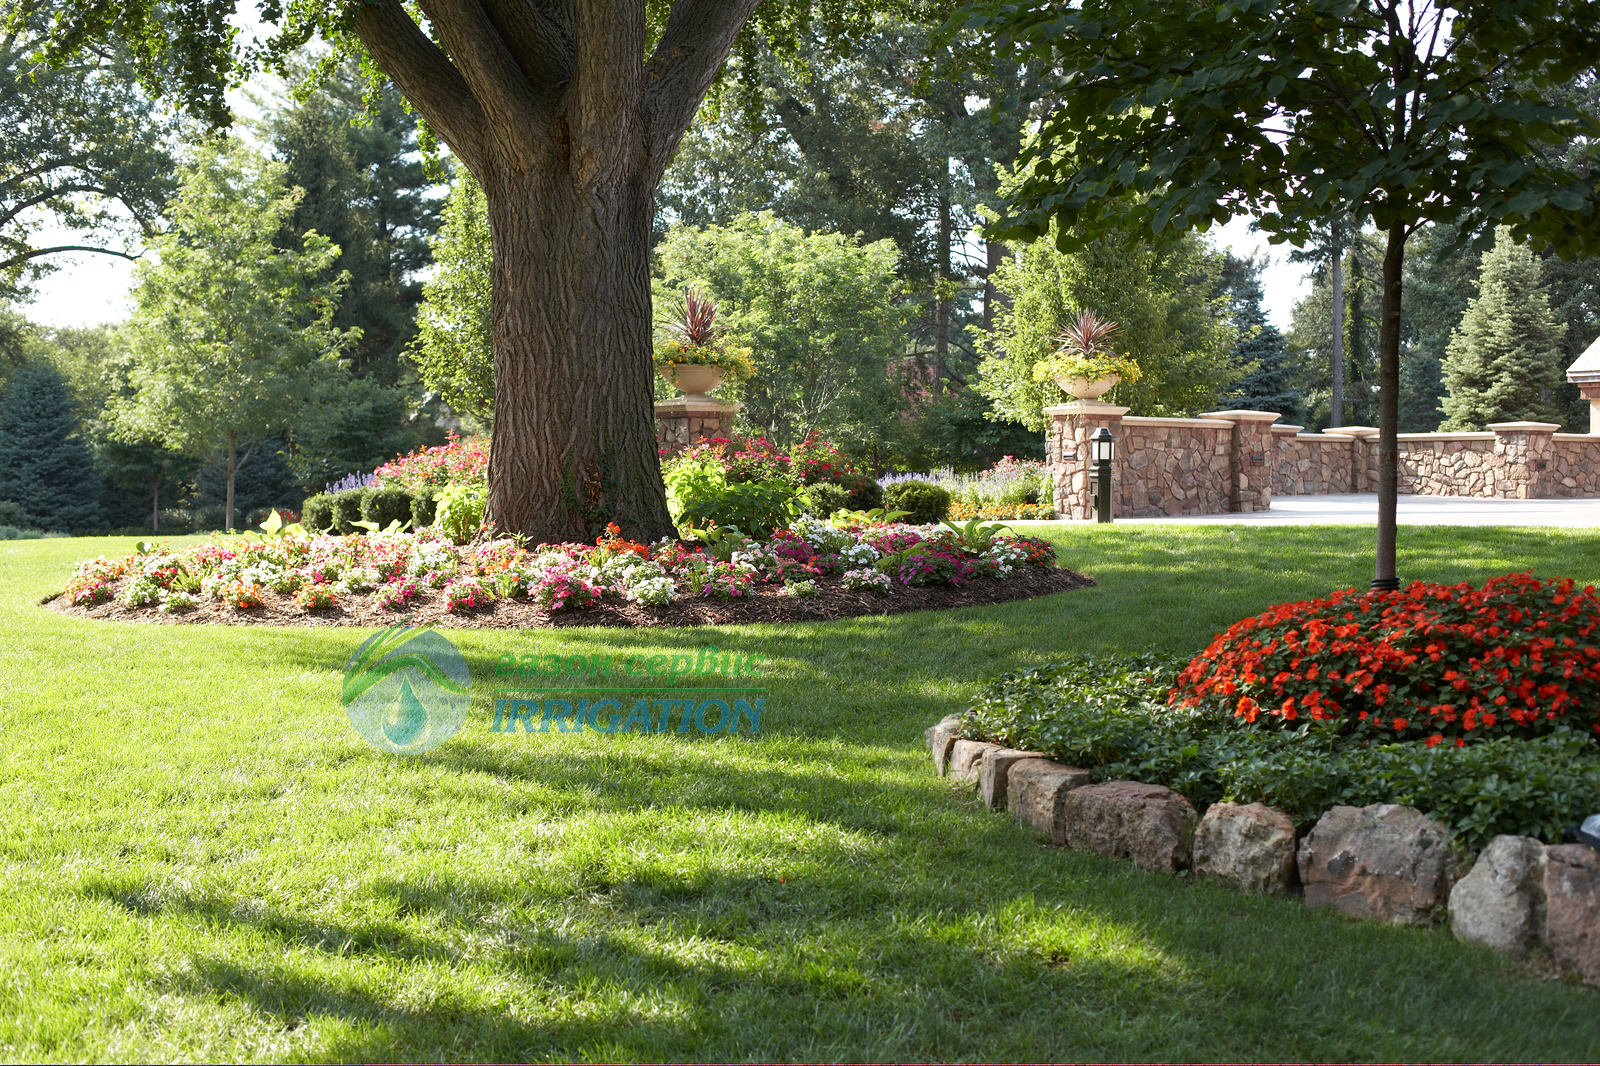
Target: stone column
1363, 456
1523, 454
1252, 459
1286, 474
1069, 454
684, 420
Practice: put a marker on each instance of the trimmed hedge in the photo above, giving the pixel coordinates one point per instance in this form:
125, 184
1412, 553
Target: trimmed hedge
821, 500
347, 510
316, 514
385, 505
423, 506
926, 502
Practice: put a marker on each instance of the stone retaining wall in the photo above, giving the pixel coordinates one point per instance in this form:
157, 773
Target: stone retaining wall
1235, 461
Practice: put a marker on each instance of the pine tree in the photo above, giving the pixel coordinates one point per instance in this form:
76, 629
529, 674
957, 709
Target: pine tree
1271, 382
45, 465
1504, 359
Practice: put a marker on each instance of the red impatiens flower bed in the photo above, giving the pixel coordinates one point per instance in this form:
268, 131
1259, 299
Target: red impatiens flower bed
1444, 664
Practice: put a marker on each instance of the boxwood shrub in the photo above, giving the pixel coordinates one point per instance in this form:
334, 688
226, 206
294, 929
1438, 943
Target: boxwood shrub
1113, 716
385, 505
424, 502
347, 510
926, 502
316, 514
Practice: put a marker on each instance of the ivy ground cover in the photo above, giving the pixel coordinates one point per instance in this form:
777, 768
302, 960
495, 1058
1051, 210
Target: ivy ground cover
203, 861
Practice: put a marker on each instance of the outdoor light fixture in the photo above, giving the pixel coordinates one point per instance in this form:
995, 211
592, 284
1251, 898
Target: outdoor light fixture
1103, 447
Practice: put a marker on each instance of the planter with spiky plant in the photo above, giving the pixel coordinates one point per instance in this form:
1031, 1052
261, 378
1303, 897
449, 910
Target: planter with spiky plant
1084, 364
695, 357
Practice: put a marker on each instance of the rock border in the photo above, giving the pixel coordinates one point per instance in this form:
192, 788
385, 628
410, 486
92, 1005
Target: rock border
1384, 862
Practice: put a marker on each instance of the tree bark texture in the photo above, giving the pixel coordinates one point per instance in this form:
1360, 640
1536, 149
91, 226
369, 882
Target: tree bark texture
1389, 408
558, 111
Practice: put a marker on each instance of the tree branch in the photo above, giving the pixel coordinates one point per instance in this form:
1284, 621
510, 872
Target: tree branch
426, 76
480, 55
604, 108
697, 39
34, 253
540, 41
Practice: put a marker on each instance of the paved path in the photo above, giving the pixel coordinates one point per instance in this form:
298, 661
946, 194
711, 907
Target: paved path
1362, 509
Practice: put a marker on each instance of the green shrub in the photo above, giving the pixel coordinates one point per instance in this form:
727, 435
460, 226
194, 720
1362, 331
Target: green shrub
423, 504
822, 499
347, 510
382, 506
13, 533
11, 514
1112, 716
316, 514
865, 496
926, 503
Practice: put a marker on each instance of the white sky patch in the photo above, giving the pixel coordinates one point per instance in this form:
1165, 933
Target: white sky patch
1283, 282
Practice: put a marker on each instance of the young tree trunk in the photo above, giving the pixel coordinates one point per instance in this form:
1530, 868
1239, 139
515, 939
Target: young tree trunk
1389, 408
1336, 353
231, 468
994, 254
941, 295
155, 504
574, 442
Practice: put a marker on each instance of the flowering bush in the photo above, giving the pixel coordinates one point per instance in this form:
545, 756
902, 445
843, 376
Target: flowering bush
1432, 662
465, 592
459, 462
89, 591
803, 590
142, 591
560, 589
314, 597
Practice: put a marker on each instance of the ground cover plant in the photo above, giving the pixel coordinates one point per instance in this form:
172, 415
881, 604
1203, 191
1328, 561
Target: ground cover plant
203, 861
808, 569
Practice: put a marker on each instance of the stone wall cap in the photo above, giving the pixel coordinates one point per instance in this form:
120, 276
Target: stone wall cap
1286, 429
1524, 427
1351, 431
1091, 408
1243, 416
680, 406
1444, 436
1591, 437
1150, 420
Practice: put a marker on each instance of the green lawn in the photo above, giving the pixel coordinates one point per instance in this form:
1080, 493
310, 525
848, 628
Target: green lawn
203, 861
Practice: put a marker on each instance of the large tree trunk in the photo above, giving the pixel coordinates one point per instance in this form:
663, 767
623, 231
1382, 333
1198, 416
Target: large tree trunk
1389, 408
574, 442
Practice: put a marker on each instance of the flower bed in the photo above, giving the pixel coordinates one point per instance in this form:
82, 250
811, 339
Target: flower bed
811, 569
1011, 490
1476, 705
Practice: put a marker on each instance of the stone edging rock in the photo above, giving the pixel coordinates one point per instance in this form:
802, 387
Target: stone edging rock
1385, 862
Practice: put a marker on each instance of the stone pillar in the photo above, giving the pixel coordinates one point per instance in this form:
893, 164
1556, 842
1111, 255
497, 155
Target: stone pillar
1363, 456
684, 420
1252, 459
1070, 457
1285, 477
1523, 454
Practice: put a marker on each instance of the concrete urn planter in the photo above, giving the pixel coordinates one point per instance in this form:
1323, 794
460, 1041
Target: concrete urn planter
1086, 389
693, 379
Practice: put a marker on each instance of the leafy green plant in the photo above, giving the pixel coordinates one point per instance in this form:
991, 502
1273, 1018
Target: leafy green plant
824, 498
755, 508
347, 510
316, 513
976, 535
385, 506
459, 511
720, 541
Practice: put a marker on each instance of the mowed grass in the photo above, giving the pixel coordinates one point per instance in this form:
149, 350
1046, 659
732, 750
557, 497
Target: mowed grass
202, 861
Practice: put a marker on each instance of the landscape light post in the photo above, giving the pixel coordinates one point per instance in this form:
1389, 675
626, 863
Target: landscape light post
1103, 447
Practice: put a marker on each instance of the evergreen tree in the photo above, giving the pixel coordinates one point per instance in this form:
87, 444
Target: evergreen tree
1439, 283
1271, 376
45, 465
1504, 359
366, 190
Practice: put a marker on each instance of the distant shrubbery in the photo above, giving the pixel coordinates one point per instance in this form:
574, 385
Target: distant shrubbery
1011, 489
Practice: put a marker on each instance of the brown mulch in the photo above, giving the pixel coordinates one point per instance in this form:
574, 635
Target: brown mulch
764, 604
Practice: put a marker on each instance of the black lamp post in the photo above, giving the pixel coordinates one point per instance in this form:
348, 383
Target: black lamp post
1101, 441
